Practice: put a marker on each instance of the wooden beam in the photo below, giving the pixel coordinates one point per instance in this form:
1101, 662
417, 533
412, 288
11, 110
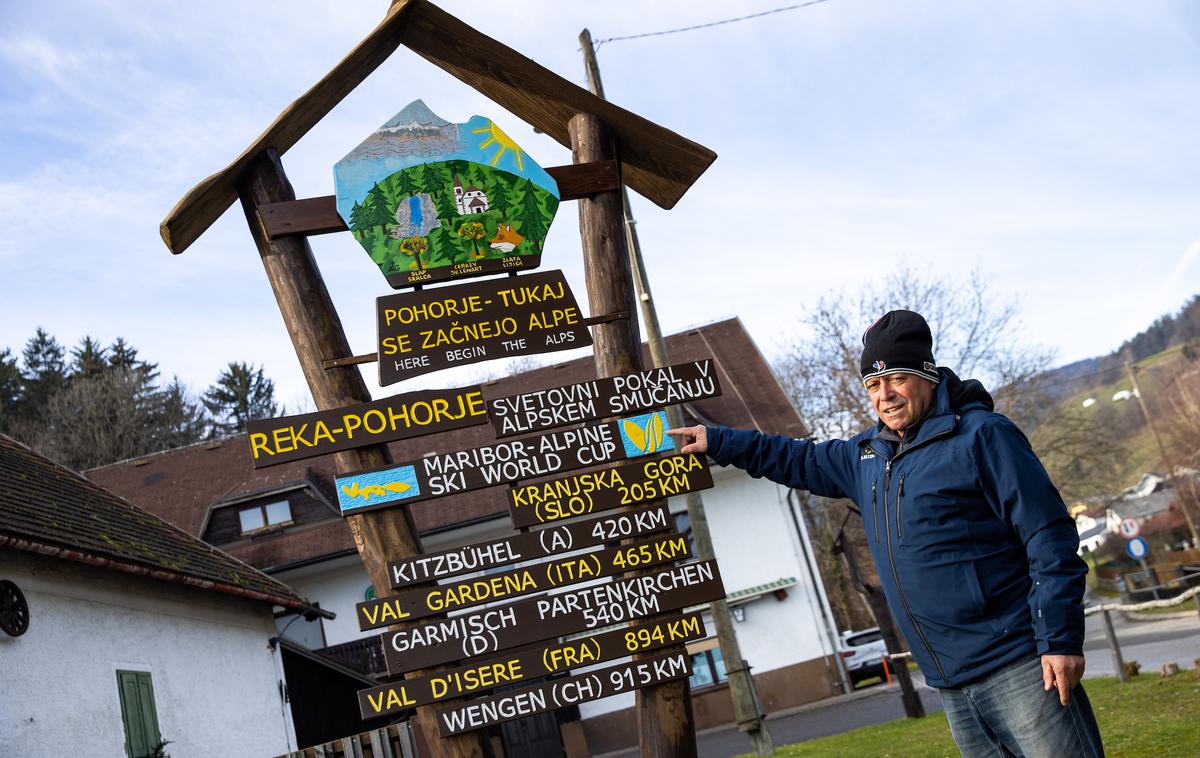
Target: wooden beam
658, 163
205, 202
318, 215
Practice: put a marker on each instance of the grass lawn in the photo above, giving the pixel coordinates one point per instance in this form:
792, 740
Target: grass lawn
1149, 716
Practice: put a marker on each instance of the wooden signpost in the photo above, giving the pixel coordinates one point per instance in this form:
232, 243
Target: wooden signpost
441, 474
420, 332
396, 201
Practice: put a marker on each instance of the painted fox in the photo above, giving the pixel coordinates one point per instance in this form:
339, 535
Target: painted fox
506, 238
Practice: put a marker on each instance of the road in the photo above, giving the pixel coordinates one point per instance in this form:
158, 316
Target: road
1150, 643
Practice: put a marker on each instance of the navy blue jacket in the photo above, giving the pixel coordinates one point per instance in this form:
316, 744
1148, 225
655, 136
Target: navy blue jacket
975, 550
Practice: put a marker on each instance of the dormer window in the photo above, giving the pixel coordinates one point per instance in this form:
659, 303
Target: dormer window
259, 517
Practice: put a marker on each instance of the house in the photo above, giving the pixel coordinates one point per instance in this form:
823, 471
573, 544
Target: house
1091, 523
284, 521
123, 630
1151, 495
469, 200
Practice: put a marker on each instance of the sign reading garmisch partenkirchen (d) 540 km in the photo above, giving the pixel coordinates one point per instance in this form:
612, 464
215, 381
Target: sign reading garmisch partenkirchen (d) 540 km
430, 200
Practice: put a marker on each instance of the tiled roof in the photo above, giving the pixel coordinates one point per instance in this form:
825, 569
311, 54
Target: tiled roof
48, 509
181, 485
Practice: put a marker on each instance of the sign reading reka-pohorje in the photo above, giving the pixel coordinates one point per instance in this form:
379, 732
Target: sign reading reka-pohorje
443, 327
440, 474
412, 414
603, 398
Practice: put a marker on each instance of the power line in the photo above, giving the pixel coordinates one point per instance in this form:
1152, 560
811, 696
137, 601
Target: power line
712, 23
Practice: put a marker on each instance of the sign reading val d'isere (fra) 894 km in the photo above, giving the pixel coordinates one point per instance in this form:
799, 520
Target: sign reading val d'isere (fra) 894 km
430, 200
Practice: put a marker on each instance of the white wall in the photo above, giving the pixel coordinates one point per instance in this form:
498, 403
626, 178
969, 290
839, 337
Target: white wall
755, 542
216, 682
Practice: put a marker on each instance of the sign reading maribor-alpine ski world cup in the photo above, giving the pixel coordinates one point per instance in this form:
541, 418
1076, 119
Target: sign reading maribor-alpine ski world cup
430, 200
440, 474
444, 327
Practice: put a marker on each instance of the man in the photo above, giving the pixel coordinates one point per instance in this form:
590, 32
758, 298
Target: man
975, 550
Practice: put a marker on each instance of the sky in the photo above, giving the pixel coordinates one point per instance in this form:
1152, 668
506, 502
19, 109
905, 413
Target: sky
1049, 145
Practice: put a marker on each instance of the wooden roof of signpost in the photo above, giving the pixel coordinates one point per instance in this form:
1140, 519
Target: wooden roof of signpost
656, 162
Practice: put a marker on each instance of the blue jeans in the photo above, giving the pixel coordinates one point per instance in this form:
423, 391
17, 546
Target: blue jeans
1008, 713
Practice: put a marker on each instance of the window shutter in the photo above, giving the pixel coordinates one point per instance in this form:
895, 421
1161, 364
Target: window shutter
138, 712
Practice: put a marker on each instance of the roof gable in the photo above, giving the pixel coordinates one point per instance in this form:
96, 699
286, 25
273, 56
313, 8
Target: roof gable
656, 162
48, 509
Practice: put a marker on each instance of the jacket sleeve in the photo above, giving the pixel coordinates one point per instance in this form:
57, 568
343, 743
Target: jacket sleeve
819, 467
1020, 491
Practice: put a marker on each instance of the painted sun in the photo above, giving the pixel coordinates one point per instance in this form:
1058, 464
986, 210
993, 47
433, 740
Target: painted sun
506, 144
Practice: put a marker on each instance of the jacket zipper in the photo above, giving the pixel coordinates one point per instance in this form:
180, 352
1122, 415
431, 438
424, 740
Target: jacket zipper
899, 502
875, 508
887, 478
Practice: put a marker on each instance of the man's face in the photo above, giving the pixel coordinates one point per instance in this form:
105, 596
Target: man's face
900, 399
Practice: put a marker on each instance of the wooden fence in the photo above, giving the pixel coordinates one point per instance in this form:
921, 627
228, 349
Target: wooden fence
392, 741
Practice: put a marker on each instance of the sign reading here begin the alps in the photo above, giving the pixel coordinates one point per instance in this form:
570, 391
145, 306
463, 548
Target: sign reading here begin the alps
439, 328
501, 462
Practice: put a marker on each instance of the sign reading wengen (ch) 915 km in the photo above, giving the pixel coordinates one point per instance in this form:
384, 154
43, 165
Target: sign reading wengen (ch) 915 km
505, 461
603, 398
443, 327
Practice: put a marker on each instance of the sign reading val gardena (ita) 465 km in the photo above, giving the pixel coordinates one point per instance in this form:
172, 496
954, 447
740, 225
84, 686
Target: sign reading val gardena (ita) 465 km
430, 200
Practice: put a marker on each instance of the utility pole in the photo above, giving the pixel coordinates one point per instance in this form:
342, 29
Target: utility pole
1184, 503
741, 682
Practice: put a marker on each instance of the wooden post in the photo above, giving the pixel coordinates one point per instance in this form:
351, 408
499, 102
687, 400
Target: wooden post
317, 334
741, 682
664, 712
1114, 648
913, 707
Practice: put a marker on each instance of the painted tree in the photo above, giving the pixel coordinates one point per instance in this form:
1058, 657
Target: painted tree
496, 186
241, 393
472, 231
531, 217
415, 247
358, 219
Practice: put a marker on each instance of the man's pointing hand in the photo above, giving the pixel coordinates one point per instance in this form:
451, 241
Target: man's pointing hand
691, 439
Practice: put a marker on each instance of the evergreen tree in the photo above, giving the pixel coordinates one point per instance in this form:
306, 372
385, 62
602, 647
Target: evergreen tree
358, 216
122, 355
241, 393
10, 389
531, 216
44, 374
89, 359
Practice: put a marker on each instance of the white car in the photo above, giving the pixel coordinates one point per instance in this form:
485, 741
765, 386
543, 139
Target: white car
863, 652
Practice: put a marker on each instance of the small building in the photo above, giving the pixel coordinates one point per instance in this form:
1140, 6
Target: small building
469, 200
284, 520
131, 631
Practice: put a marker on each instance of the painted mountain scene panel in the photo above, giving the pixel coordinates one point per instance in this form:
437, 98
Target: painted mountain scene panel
430, 200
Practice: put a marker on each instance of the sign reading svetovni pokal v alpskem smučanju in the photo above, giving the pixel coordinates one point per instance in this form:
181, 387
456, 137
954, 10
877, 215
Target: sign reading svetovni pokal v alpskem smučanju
443, 327
430, 200
603, 398
440, 474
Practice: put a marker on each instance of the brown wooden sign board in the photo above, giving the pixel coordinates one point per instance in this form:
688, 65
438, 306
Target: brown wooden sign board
603, 398
458, 325
560, 693
412, 414
518, 582
491, 630
531, 663
502, 462
617, 487
527, 546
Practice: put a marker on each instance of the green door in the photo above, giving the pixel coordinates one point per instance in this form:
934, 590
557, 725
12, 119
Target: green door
138, 712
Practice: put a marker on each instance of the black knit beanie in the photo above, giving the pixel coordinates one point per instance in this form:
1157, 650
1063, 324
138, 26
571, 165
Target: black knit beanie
898, 342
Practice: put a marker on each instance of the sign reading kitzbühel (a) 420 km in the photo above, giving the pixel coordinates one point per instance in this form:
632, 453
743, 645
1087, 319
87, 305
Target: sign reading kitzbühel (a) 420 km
444, 327
429, 200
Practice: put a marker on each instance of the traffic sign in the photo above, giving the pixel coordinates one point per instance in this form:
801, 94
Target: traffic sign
1130, 528
1137, 548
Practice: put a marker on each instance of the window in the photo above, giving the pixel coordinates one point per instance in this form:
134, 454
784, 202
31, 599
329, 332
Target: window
261, 516
138, 713
683, 525
865, 638
708, 668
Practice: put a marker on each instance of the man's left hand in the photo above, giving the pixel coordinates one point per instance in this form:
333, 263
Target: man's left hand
1063, 672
